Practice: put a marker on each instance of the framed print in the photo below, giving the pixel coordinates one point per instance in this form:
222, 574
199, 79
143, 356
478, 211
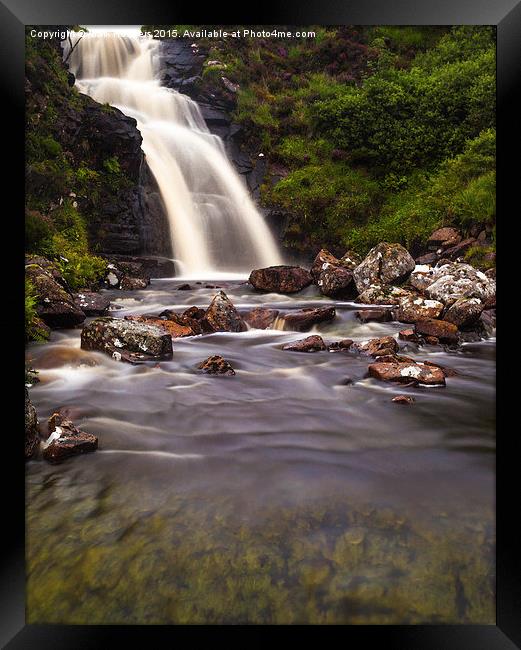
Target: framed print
259, 323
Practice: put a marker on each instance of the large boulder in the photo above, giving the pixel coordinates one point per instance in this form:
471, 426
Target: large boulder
55, 305
412, 309
65, 440
309, 344
464, 312
221, 315
280, 279
440, 329
449, 282
261, 318
384, 264
126, 340
304, 319
405, 372
177, 326
337, 282
325, 260
31, 428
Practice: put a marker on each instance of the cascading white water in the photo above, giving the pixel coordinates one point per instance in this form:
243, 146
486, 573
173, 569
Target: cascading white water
214, 224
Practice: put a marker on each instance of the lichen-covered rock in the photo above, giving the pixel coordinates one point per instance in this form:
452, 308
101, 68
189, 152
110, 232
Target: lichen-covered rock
337, 282
442, 330
379, 347
407, 372
280, 279
464, 312
126, 340
92, 303
128, 283
422, 276
261, 318
216, 365
222, 316
177, 326
384, 264
322, 261
454, 280
411, 309
65, 440
31, 428
304, 319
55, 306
309, 344
382, 295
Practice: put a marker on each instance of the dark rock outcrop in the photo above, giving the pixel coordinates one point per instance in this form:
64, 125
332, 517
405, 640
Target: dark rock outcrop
92, 303
464, 312
280, 279
31, 428
440, 329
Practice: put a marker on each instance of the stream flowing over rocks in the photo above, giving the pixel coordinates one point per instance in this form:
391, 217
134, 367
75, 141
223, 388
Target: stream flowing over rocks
233, 449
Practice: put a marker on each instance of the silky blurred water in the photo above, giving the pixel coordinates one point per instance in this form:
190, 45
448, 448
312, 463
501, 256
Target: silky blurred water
295, 491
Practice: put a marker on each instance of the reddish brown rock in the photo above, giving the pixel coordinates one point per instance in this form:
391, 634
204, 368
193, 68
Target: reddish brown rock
128, 283
309, 344
216, 365
403, 372
465, 311
443, 238
337, 282
65, 440
442, 330
177, 326
379, 347
322, 261
408, 335
280, 279
304, 319
460, 249
432, 340
342, 345
403, 399
412, 309
222, 316
261, 318
377, 315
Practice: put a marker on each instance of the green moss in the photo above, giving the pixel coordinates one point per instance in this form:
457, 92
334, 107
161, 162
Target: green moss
33, 330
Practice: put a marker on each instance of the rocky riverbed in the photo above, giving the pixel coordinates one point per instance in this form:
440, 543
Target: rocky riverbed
239, 480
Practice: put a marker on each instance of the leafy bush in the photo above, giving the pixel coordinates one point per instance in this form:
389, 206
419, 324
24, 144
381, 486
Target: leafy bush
32, 330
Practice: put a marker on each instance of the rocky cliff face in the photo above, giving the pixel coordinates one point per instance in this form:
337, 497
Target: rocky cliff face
95, 158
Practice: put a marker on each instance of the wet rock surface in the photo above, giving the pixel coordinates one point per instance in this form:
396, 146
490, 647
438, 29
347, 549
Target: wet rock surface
280, 279
412, 309
261, 317
440, 329
452, 281
304, 319
407, 373
376, 315
222, 316
337, 282
386, 345
216, 365
126, 340
66, 440
309, 344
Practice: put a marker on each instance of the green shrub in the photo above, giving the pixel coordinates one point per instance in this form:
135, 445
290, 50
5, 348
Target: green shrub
32, 330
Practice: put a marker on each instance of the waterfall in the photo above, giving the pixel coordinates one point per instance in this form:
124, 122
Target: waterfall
214, 224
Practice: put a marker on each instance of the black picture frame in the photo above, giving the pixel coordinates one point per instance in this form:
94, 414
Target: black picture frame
14, 15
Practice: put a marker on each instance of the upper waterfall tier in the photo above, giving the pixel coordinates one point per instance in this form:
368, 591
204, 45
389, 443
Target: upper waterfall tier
214, 224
